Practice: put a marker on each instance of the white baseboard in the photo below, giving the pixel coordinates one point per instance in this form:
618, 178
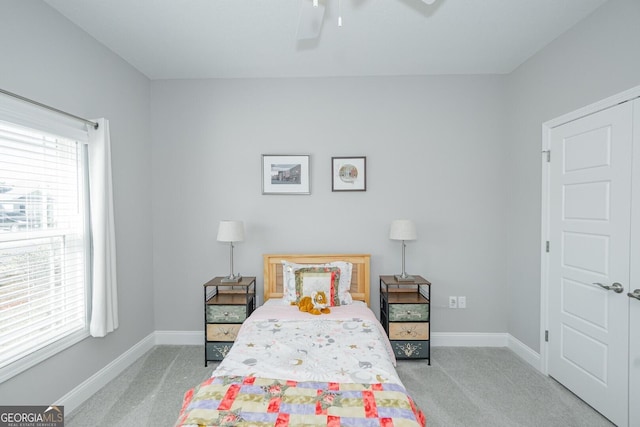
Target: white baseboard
86, 389
78, 395
525, 352
468, 339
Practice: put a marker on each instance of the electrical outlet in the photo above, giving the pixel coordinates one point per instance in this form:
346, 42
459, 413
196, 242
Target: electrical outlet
462, 302
453, 302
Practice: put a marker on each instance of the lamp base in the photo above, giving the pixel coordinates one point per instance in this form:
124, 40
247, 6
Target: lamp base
231, 279
407, 278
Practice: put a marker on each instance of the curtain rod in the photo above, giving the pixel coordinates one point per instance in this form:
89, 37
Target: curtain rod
31, 101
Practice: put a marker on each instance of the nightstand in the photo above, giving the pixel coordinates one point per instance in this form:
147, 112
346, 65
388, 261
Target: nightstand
404, 314
226, 306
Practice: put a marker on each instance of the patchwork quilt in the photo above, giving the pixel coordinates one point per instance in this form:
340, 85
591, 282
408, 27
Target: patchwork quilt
255, 401
288, 368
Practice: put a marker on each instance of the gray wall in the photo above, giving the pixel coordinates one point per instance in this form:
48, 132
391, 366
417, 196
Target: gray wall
596, 59
46, 58
435, 154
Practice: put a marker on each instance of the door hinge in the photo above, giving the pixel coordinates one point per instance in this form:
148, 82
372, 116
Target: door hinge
546, 336
548, 153
547, 246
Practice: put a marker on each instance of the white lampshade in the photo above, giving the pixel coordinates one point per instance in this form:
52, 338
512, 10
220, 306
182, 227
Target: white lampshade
403, 229
231, 231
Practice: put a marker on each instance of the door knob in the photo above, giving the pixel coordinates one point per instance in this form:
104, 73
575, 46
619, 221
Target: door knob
635, 294
615, 287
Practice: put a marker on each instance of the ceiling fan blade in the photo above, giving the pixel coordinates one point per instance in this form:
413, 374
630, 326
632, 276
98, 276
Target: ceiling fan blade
311, 18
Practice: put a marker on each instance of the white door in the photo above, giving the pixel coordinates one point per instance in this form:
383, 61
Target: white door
634, 289
589, 226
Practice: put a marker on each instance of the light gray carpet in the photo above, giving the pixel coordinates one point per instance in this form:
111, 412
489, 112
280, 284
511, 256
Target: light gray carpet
462, 387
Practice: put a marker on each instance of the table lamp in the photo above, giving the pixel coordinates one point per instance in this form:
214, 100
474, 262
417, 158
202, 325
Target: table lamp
403, 229
231, 231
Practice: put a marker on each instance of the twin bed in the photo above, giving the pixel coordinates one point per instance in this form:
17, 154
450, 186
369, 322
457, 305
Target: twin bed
291, 368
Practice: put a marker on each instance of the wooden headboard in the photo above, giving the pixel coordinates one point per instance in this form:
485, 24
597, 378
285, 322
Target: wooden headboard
360, 280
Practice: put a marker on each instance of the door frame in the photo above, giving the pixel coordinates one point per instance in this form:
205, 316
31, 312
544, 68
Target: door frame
611, 101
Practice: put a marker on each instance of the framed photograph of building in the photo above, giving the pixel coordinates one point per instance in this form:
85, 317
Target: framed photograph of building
285, 174
348, 174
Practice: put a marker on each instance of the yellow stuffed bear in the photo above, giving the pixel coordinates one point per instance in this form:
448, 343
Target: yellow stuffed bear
315, 304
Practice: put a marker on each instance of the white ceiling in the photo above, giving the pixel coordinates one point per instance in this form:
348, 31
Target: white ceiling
183, 39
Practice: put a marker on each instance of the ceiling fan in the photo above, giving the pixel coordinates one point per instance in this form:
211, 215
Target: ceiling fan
312, 17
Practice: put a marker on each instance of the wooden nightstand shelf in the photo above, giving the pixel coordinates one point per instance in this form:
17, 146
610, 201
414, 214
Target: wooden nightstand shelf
404, 314
226, 306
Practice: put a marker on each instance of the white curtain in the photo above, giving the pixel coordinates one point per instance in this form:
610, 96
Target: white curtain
104, 296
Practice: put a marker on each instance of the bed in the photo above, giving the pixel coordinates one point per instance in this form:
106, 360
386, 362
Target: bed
290, 368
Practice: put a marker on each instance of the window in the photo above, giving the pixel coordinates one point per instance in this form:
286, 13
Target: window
43, 245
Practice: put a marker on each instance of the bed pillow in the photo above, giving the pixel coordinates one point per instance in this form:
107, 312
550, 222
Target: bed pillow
318, 279
346, 268
289, 280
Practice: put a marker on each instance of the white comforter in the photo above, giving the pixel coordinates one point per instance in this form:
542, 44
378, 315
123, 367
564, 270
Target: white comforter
278, 341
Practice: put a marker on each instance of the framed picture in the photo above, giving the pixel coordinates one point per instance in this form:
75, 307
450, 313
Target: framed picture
285, 174
349, 174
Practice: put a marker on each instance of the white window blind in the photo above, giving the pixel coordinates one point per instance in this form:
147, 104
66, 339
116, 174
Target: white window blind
43, 241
